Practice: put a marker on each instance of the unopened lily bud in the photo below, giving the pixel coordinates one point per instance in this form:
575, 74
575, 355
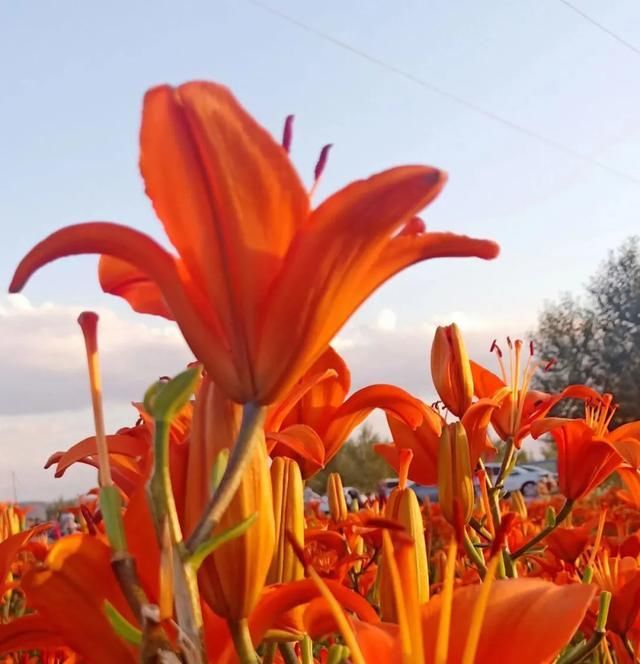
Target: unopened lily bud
335, 494
288, 512
455, 484
231, 579
450, 369
403, 507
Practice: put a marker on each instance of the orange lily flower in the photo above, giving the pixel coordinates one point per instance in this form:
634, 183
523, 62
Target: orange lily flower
515, 613
520, 406
587, 450
494, 614
620, 577
318, 402
567, 543
424, 441
261, 282
75, 617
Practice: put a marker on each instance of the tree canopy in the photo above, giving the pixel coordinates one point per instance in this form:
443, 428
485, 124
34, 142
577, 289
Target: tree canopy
357, 463
595, 337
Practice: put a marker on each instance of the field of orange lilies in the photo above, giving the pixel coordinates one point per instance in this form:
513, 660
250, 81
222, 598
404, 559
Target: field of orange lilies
197, 546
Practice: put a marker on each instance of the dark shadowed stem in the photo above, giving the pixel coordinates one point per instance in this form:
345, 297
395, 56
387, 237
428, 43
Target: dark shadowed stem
480, 529
252, 420
288, 654
269, 655
562, 515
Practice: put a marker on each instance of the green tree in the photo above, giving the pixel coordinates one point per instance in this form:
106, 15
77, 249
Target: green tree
595, 338
357, 463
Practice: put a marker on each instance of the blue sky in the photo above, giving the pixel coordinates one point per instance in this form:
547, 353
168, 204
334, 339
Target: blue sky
73, 79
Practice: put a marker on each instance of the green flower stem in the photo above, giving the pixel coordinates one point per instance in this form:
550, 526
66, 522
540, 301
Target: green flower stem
562, 515
242, 641
475, 555
480, 529
306, 646
164, 512
583, 651
252, 420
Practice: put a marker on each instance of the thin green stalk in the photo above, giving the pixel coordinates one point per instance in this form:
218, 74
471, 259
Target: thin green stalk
583, 651
242, 641
628, 646
306, 647
480, 529
163, 510
562, 515
506, 464
475, 555
252, 420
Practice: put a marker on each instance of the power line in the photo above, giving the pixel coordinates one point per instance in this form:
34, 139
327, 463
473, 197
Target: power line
598, 25
461, 101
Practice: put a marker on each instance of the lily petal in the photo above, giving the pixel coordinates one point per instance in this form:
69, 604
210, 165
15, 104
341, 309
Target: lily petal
120, 278
517, 608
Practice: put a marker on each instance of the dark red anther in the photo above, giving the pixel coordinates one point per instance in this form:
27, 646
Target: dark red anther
322, 161
495, 349
287, 133
531, 348
509, 342
550, 364
88, 517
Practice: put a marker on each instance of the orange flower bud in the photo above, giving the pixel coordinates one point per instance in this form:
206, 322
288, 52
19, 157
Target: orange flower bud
403, 507
335, 494
233, 576
288, 511
455, 483
450, 369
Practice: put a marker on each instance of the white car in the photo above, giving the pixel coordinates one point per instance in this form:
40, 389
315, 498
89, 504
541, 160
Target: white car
523, 478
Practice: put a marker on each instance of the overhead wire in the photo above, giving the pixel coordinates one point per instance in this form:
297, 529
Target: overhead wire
435, 89
600, 26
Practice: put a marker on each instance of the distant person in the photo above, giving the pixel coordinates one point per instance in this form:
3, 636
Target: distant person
68, 524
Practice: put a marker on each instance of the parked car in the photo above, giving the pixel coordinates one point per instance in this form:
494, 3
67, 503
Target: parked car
523, 478
421, 490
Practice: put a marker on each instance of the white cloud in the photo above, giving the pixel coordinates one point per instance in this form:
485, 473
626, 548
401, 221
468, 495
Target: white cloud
44, 401
387, 320
43, 361
27, 441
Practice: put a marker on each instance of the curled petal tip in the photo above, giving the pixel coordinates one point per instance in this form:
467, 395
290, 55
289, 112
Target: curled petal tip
492, 250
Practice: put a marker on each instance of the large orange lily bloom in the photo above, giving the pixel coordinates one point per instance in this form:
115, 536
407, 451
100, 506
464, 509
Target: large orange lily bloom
318, 402
261, 282
520, 406
510, 621
68, 593
587, 451
424, 440
516, 611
